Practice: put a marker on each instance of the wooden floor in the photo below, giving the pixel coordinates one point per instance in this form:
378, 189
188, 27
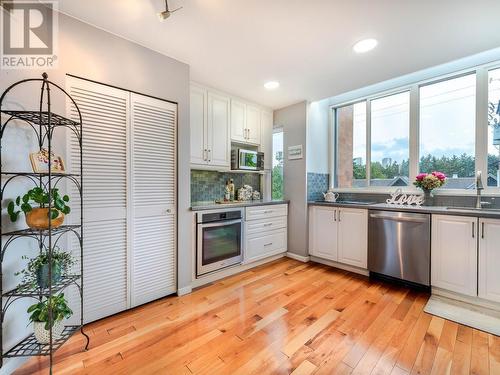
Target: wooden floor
281, 318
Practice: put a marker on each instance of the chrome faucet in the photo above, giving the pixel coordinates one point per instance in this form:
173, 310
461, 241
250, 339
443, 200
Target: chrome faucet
479, 188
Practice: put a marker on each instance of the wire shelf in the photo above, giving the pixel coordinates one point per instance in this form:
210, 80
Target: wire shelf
29, 291
45, 174
41, 118
30, 346
28, 232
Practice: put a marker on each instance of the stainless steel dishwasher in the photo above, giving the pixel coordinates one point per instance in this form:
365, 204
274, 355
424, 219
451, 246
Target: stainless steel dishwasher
399, 245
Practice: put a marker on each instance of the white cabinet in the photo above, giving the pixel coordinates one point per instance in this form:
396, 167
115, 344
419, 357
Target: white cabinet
353, 237
238, 121
218, 130
489, 259
245, 123
253, 124
266, 136
454, 253
209, 122
265, 231
339, 234
323, 232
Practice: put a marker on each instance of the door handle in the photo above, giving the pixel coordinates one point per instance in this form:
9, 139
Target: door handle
205, 157
168, 211
482, 230
473, 227
209, 155
339, 216
268, 244
334, 215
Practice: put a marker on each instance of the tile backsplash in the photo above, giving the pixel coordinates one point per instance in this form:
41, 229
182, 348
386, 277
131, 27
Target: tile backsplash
209, 185
317, 184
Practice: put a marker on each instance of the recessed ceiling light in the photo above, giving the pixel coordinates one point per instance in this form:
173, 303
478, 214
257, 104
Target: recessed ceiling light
365, 45
271, 85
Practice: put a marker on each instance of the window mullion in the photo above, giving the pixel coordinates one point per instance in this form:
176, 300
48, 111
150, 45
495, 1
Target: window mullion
414, 133
482, 122
368, 141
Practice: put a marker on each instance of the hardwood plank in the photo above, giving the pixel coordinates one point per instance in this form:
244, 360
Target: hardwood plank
280, 318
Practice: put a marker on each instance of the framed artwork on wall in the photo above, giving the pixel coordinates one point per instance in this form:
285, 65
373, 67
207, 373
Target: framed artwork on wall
40, 162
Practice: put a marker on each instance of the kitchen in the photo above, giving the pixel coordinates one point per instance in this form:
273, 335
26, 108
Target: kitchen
250, 200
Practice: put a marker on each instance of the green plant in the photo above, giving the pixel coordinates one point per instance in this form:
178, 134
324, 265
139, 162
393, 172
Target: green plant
42, 198
59, 307
61, 262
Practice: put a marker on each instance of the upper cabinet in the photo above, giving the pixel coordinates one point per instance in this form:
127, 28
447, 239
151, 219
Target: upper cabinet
209, 118
217, 120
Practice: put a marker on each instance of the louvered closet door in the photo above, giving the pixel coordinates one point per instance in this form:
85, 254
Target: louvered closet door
153, 199
106, 116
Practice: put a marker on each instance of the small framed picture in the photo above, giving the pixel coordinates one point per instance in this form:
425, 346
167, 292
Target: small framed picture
40, 162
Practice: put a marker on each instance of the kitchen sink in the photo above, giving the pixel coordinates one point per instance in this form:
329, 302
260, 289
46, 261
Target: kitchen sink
484, 209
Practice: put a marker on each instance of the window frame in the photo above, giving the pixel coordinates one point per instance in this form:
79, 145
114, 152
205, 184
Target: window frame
481, 130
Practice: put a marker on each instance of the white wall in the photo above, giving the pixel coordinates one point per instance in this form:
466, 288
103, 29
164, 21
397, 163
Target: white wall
95, 54
293, 119
318, 137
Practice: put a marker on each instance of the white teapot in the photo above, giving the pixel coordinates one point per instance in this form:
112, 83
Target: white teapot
330, 196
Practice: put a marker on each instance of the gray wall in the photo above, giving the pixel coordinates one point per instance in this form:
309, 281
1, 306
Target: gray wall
293, 119
95, 54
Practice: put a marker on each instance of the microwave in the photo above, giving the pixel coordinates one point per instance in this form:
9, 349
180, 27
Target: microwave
247, 160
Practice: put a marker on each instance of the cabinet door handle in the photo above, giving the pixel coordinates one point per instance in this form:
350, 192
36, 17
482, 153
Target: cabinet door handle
268, 224
205, 155
209, 155
268, 244
339, 216
334, 215
473, 227
482, 230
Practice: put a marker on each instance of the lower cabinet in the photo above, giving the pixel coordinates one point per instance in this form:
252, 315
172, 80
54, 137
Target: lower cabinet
339, 234
265, 231
489, 259
454, 253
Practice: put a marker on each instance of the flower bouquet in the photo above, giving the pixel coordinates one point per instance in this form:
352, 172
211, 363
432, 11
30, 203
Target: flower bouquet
429, 181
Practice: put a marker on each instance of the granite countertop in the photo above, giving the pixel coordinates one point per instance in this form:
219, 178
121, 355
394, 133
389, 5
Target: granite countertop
485, 212
211, 205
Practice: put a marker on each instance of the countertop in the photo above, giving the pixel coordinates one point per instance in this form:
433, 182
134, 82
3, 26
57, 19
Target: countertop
211, 205
485, 213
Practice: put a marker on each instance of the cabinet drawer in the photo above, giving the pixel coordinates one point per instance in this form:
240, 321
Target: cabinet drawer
261, 225
264, 212
261, 246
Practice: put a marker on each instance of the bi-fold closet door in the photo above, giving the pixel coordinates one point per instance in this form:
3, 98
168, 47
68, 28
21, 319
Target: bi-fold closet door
129, 192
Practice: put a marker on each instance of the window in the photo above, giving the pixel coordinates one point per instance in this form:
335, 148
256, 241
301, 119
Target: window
277, 187
447, 130
351, 145
390, 130
494, 128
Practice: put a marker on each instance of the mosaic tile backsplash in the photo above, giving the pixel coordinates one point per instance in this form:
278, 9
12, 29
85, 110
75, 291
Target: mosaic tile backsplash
209, 185
317, 184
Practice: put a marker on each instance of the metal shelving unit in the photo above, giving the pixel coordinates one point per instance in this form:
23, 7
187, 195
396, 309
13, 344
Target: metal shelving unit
43, 122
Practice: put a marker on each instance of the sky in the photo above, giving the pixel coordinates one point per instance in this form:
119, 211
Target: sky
447, 121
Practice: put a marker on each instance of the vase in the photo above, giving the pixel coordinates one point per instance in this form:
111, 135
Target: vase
38, 218
42, 335
42, 274
428, 198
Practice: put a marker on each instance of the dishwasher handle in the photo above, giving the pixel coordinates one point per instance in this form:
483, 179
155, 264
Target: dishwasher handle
400, 218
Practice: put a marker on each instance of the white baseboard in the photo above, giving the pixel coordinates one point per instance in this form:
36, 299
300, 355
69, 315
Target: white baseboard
300, 258
466, 299
341, 266
184, 291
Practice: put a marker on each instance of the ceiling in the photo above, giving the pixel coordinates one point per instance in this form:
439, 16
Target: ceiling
238, 45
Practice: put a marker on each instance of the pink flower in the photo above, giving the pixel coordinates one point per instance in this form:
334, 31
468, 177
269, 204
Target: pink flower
421, 176
439, 175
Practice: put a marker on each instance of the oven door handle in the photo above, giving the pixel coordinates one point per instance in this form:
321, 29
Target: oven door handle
220, 223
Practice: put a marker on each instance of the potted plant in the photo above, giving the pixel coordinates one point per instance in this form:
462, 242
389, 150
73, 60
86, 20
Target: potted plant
42, 324
428, 182
38, 217
36, 273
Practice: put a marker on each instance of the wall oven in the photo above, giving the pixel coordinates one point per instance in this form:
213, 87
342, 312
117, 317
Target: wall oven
247, 160
219, 240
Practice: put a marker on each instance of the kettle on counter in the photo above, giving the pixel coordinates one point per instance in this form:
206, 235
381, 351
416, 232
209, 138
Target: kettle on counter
330, 196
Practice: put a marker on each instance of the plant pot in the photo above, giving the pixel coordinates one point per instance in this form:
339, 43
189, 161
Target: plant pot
42, 275
43, 336
38, 218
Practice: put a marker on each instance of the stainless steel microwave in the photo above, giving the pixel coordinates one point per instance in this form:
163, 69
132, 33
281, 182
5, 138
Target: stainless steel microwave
247, 160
